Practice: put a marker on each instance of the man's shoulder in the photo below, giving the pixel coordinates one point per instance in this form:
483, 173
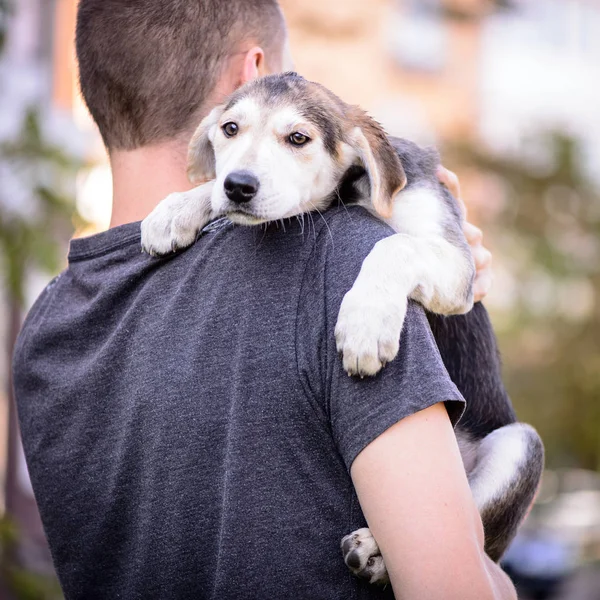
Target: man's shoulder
349, 234
356, 222
31, 330
346, 236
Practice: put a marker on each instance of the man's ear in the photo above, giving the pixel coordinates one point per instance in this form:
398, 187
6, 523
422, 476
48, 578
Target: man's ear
201, 154
253, 65
383, 167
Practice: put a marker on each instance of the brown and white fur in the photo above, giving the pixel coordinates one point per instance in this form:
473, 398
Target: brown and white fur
282, 146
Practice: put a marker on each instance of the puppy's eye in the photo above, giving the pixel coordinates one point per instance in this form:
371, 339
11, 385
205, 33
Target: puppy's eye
230, 129
298, 139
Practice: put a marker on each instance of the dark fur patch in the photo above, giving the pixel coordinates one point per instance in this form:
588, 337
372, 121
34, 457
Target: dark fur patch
501, 519
468, 348
469, 351
347, 191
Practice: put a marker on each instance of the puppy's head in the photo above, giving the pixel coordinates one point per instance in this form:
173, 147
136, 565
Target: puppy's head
280, 147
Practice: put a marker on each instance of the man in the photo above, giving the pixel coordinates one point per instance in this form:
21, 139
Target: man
189, 430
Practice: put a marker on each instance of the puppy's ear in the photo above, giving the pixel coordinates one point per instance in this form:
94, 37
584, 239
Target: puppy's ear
201, 154
383, 167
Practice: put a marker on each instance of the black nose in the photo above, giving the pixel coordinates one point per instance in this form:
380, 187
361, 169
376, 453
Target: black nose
240, 186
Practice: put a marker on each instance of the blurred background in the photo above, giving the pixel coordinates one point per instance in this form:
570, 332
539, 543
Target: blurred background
509, 90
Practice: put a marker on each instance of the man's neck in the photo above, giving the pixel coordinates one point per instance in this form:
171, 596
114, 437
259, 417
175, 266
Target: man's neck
143, 177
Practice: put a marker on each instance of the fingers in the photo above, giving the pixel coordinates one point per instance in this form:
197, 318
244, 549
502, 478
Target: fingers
483, 261
483, 269
481, 255
482, 285
473, 234
450, 180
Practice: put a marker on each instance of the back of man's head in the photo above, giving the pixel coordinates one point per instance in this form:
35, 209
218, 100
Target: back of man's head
148, 67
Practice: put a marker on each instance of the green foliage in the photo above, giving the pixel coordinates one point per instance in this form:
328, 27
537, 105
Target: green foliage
548, 235
461, 11
5, 11
22, 584
34, 240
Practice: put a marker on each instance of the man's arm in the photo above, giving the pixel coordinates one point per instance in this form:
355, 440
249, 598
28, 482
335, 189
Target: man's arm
414, 493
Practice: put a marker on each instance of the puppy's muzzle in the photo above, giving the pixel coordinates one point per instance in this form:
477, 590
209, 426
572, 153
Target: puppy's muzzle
241, 186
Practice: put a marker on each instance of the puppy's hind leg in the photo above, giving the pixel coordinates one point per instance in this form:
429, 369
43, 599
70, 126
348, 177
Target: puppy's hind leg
504, 480
363, 557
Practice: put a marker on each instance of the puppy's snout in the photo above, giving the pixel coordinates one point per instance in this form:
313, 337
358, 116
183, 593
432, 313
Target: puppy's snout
241, 186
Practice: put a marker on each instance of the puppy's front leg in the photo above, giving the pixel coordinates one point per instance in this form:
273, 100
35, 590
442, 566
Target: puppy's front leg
428, 269
175, 222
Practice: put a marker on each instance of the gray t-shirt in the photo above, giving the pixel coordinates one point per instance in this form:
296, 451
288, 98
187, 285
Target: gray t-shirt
187, 423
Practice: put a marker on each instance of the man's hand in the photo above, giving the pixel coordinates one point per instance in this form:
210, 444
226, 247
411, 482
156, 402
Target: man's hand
474, 235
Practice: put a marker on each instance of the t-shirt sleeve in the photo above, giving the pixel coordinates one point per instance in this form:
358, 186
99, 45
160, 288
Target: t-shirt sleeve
359, 410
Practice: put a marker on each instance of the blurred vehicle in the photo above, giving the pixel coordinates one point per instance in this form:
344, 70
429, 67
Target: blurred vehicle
560, 535
539, 563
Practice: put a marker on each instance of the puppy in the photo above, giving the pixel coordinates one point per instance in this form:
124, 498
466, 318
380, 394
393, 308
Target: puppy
282, 146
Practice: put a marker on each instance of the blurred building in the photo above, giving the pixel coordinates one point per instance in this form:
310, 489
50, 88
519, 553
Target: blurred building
406, 62
494, 73
439, 69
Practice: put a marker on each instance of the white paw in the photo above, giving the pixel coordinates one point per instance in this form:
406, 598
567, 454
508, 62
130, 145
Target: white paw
368, 329
363, 558
169, 227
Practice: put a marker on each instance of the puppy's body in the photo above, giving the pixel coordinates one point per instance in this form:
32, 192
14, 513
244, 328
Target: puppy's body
503, 458
282, 146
